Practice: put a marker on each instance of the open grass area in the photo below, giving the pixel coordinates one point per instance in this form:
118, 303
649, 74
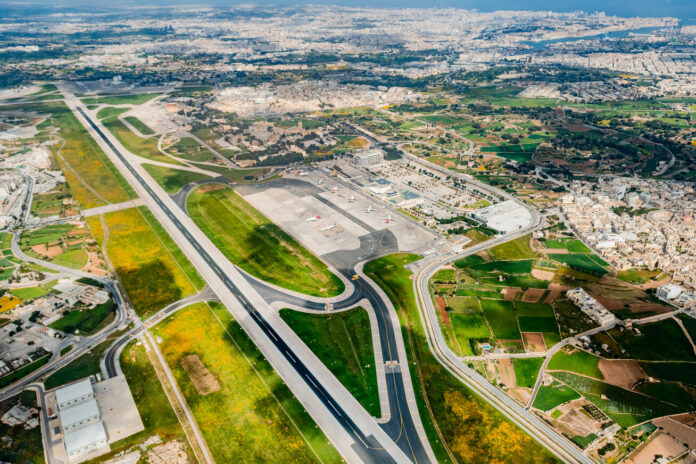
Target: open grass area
523, 266
250, 240
637, 276
138, 124
30, 293
253, 417
120, 99
86, 321
343, 341
154, 271
237, 175
172, 180
188, 148
526, 371
577, 361
145, 147
580, 262
659, 341
500, 315
20, 445
548, 397
110, 112
514, 249
85, 157
456, 420
626, 408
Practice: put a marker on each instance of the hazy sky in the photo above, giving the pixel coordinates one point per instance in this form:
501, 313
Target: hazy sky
683, 9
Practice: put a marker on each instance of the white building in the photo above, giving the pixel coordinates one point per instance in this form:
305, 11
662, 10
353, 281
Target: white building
80, 416
85, 440
591, 307
668, 291
505, 217
74, 394
368, 158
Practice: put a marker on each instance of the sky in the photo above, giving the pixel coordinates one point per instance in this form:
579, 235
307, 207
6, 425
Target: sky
682, 9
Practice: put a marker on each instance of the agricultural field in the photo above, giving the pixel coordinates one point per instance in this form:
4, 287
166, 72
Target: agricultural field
250, 240
470, 428
58, 202
154, 271
172, 180
64, 244
343, 342
526, 371
577, 361
31, 293
86, 321
222, 375
548, 397
659, 341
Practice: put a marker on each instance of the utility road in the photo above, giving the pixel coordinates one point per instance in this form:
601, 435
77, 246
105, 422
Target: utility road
354, 433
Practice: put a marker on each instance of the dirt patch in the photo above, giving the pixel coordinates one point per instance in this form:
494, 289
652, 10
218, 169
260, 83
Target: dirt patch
201, 377
442, 306
450, 164
507, 372
521, 395
608, 303
662, 445
50, 252
551, 296
554, 287
638, 308
533, 295
510, 293
555, 251
543, 275
686, 419
534, 342
622, 373
172, 452
484, 255
210, 187
678, 430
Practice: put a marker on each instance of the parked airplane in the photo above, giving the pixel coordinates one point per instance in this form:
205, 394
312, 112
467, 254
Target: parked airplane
321, 181
300, 173
388, 218
334, 189
351, 199
369, 209
329, 227
313, 218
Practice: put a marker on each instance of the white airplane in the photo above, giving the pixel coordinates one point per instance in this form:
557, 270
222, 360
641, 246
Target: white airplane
300, 173
321, 181
351, 199
334, 189
329, 227
369, 209
388, 218
313, 218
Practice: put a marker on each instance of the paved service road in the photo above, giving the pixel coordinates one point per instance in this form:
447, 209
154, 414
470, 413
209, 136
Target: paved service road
357, 436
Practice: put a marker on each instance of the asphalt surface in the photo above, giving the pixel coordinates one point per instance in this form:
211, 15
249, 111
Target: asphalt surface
366, 447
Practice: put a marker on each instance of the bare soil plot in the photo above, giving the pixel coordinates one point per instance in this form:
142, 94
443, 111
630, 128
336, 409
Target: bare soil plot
608, 303
507, 372
200, 376
575, 421
551, 296
543, 275
442, 306
510, 293
534, 342
657, 308
533, 295
677, 430
686, 419
49, 251
521, 395
661, 445
622, 373
555, 251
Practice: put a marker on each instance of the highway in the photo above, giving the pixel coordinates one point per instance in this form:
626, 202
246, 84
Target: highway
367, 442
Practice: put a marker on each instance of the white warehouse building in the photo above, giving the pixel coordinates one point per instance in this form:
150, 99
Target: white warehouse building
368, 157
507, 216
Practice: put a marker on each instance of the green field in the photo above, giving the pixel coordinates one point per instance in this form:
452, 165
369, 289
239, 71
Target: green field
523, 266
549, 397
145, 147
188, 148
23, 371
86, 321
580, 262
138, 124
250, 240
534, 309
537, 324
343, 342
659, 341
84, 366
689, 324
675, 371
500, 315
526, 371
253, 417
453, 416
514, 249
172, 180
109, 112
670, 392
120, 99
468, 261
624, 407
577, 361
31, 293
237, 175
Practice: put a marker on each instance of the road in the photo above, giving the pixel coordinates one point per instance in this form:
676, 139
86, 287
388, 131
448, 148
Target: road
356, 435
